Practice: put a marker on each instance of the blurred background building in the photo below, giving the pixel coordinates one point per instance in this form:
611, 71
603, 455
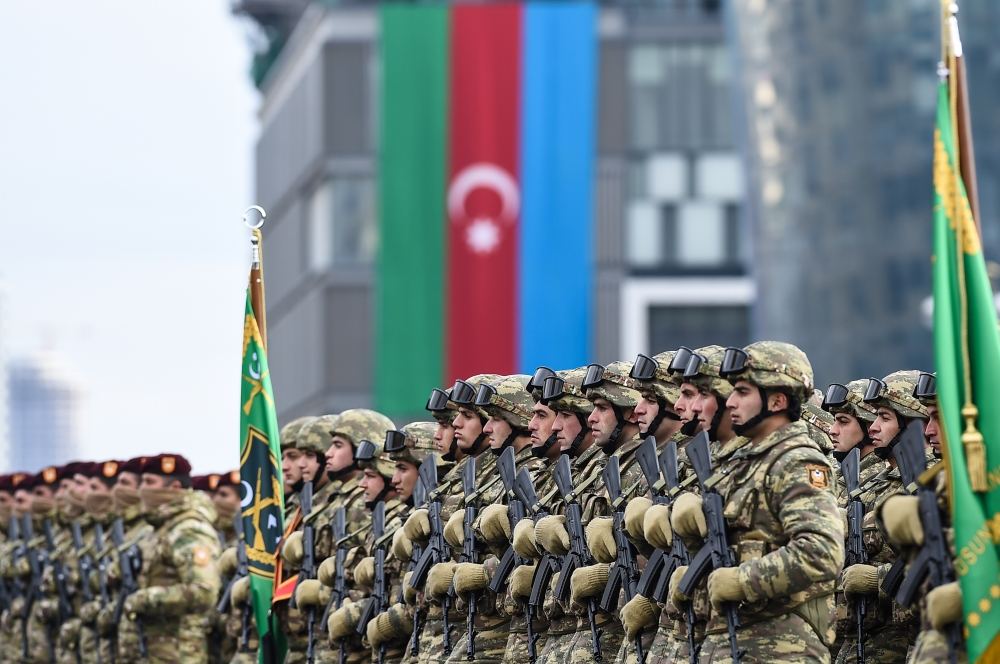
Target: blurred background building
762, 170
44, 404
4, 441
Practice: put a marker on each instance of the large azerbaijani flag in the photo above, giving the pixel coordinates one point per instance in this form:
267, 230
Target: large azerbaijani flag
485, 192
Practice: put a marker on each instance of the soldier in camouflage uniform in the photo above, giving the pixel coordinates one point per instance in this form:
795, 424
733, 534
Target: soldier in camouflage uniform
781, 513
291, 474
440, 406
42, 620
223, 489
179, 581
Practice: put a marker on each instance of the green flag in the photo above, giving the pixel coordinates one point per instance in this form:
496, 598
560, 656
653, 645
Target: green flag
260, 473
967, 359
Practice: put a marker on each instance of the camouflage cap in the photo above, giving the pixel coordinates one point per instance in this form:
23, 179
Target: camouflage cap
417, 442
854, 405
773, 365
359, 424
474, 382
615, 386
662, 386
706, 371
818, 421
507, 398
897, 394
289, 433
371, 455
315, 435
570, 397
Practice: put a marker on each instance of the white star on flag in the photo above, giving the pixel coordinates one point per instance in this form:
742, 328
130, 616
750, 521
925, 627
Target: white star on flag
483, 236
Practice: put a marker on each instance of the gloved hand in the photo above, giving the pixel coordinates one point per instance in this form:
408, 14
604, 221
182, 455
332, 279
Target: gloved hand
588, 581
454, 530
656, 527
687, 517
944, 605
418, 526
89, 611
106, 620
388, 626
901, 516
638, 613
439, 579
227, 562
470, 577
342, 622
402, 547
310, 593
494, 523
524, 539
673, 588
551, 534
860, 580
291, 549
409, 592
364, 573
635, 513
137, 603
600, 539
327, 571
520, 580
724, 586
241, 591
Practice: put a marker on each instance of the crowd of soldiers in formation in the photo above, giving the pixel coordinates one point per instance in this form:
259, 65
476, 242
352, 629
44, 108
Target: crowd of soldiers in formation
698, 505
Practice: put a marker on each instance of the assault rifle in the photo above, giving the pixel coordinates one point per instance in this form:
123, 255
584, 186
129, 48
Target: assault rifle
65, 608
715, 554
437, 549
85, 561
130, 565
856, 553
377, 603
419, 500
469, 553
933, 561
36, 563
242, 570
678, 552
515, 512
338, 529
102, 564
645, 454
547, 566
579, 554
625, 572
307, 570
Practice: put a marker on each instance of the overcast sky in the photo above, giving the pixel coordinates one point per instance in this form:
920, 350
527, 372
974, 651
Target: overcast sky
127, 134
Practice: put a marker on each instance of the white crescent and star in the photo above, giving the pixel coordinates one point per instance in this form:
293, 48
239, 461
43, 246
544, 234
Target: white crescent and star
483, 234
248, 496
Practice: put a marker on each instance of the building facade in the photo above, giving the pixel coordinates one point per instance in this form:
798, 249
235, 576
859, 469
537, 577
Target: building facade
44, 407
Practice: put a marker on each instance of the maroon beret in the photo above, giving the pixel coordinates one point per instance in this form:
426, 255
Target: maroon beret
200, 482
47, 476
109, 469
232, 478
166, 464
133, 465
22, 481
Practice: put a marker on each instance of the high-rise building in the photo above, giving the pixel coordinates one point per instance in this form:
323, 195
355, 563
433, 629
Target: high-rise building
44, 402
4, 440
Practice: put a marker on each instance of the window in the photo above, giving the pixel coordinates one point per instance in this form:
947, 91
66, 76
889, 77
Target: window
342, 222
694, 326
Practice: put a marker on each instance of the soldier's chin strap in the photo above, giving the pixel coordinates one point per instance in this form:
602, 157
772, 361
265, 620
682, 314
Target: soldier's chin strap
764, 413
514, 433
542, 450
297, 486
663, 413
334, 475
574, 447
452, 450
690, 427
380, 497
865, 440
885, 453
477, 445
713, 427
614, 440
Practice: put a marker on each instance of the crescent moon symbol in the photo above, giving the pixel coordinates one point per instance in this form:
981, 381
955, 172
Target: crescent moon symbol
487, 176
248, 498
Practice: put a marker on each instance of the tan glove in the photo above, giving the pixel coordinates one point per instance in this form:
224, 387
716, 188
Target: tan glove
388, 626
656, 527
418, 526
520, 580
470, 577
494, 524
402, 547
524, 539
327, 572
860, 580
228, 562
673, 588
364, 573
291, 550
551, 534
901, 516
439, 579
343, 621
687, 517
241, 591
944, 605
724, 586
409, 592
600, 539
310, 593
454, 530
588, 581
639, 613
635, 514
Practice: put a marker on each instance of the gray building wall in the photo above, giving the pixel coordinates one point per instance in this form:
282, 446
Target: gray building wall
44, 404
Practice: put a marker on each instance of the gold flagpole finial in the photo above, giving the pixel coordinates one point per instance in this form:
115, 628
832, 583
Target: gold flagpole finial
975, 449
255, 234
257, 268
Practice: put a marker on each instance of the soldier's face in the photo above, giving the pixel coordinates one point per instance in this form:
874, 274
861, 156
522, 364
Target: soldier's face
227, 497
744, 403
340, 455
884, 428
43, 492
683, 404
81, 486
372, 483
443, 437
705, 407
97, 486
309, 466
22, 501
846, 432
128, 480
646, 411
64, 486
566, 427
932, 430
467, 428
290, 467
6, 500
602, 421
404, 479
540, 424
498, 429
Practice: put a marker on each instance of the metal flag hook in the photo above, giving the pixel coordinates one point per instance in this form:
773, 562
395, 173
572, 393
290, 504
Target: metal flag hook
260, 222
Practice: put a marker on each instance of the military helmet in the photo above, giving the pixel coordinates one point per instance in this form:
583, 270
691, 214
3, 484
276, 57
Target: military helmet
537, 382
440, 406
314, 436
359, 424
562, 392
849, 399
649, 376
413, 443
463, 393
290, 431
610, 382
895, 391
702, 371
819, 422
925, 391
508, 399
770, 365
371, 455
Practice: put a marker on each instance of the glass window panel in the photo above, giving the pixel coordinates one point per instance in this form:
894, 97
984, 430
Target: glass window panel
320, 244
645, 235
667, 177
719, 177
701, 240
671, 326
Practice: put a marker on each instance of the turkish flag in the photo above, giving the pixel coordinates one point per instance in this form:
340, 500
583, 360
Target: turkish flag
483, 203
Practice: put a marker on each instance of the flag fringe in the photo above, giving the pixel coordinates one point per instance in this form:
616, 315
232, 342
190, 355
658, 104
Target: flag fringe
975, 450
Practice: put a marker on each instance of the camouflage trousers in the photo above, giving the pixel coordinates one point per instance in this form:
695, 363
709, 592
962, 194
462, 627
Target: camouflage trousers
883, 646
787, 638
490, 643
558, 638
181, 640
627, 653
932, 647
581, 647
517, 642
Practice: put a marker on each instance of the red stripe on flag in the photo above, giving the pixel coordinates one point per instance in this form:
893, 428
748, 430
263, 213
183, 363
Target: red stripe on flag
483, 204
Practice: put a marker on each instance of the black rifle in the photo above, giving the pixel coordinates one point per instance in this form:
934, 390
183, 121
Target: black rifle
36, 563
242, 570
678, 552
377, 603
547, 566
933, 561
419, 499
338, 528
850, 468
469, 553
579, 554
102, 564
437, 549
130, 564
715, 554
515, 512
85, 561
645, 454
65, 607
625, 572
307, 570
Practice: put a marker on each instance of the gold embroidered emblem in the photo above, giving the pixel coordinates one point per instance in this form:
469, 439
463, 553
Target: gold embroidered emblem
49, 475
168, 464
213, 482
819, 476
110, 468
201, 556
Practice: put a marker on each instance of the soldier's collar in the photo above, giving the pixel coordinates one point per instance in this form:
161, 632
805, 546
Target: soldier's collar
779, 435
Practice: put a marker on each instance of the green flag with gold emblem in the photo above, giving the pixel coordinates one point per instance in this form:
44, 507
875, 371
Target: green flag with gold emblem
967, 359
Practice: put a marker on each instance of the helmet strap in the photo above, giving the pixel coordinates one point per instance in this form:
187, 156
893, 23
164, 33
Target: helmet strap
542, 450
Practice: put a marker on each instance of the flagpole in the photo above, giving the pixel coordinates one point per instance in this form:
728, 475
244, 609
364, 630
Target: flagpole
257, 270
963, 119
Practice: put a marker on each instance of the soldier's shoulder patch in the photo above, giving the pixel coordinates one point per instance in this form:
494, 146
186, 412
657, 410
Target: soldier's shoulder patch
201, 556
818, 476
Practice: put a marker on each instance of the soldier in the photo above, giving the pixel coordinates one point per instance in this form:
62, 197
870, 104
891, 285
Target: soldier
654, 411
291, 475
782, 517
179, 581
42, 614
439, 405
